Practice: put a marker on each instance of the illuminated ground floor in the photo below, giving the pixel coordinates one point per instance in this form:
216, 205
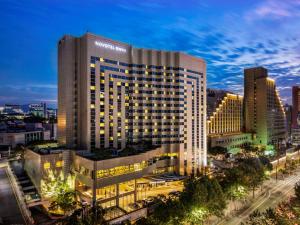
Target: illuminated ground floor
133, 194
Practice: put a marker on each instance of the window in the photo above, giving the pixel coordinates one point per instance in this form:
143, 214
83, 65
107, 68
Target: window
47, 165
59, 164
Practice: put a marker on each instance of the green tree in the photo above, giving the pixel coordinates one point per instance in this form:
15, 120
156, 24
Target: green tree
297, 191
253, 173
217, 150
201, 198
64, 201
59, 190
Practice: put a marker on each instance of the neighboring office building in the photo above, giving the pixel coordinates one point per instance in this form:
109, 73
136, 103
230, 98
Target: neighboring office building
51, 113
18, 132
39, 109
52, 127
296, 115
111, 94
296, 106
225, 120
264, 112
12, 109
288, 113
12, 139
296, 136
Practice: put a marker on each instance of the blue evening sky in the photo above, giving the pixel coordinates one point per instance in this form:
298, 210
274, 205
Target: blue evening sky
229, 34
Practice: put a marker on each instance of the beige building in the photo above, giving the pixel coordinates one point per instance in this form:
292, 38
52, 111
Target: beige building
227, 116
112, 181
264, 112
225, 120
111, 94
12, 139
38, 162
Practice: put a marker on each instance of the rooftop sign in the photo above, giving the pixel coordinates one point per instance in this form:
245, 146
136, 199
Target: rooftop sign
110, 46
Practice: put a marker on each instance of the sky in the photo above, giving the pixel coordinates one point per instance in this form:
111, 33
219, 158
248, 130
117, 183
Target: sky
230, 35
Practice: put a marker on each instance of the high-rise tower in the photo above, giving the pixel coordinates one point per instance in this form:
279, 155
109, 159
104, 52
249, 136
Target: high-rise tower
263, 111
111, 94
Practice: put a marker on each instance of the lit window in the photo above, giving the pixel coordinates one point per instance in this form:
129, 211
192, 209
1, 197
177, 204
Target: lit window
101, 60
59, 164
46, 165
92, 106
101, 131
93, 65
93, 88
126, 71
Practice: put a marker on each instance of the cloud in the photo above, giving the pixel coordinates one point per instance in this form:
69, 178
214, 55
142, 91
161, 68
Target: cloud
274, 9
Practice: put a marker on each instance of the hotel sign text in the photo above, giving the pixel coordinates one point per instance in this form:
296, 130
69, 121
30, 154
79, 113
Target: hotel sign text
110, 46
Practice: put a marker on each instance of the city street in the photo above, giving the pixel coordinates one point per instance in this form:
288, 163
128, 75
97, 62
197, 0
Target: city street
9, 208
274, 193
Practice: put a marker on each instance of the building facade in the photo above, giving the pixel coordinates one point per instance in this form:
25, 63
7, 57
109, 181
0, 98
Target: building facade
264, 112
12, 139
112, 182
111, 94
225, 120
227, 116
288, 114
296, 106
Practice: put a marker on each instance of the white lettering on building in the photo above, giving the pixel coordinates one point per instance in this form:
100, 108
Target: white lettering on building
110, 46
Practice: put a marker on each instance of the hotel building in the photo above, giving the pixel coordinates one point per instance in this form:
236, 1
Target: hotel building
264, 112
111, 94
296, 106
225, 120
296, 115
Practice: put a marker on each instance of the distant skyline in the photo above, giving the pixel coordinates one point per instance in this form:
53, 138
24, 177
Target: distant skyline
230, 36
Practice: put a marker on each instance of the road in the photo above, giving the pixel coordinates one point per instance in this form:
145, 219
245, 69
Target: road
9, 208
275, 192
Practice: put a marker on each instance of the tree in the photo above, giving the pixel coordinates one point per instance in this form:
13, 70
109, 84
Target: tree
218, 150
253, 172
64, 201
297, 191
59, 190
92, 216
202, 197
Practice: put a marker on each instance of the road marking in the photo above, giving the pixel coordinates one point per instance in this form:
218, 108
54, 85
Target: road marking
263, 199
